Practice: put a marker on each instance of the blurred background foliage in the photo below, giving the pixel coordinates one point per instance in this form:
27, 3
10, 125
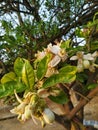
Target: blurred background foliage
29, 25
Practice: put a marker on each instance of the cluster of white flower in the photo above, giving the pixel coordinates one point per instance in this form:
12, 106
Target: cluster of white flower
58, 55
85, 61
33, 107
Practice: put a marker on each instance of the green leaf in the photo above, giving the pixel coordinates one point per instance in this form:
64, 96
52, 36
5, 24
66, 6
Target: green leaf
42, 67
79, 33
8, 88
82, 77
92, 86
11, 76
28, 74
94, 45
68, 69
61, 98
65, 44
59, 78
18, 66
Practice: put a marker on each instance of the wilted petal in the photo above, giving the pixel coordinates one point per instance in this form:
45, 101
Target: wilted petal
19, 109
54, 49
51, 71
54, 61
43, 93
40, 55
28, 111
74, 58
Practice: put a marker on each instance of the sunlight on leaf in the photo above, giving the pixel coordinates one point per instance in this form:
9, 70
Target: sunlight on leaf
18, 66
28, 74
7, 89
11, 76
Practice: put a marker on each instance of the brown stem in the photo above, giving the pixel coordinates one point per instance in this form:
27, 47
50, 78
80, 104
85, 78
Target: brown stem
82, 103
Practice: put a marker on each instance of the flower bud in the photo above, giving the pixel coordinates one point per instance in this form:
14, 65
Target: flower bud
86, 64
48, 115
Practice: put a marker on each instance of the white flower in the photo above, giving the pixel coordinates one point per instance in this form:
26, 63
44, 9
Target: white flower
78, 56
85, 61
53, 48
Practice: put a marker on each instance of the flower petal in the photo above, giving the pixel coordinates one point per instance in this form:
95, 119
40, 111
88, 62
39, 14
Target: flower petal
88, 57
95, 54
54, 49
54, 61
39, 55
19, 109
74, 58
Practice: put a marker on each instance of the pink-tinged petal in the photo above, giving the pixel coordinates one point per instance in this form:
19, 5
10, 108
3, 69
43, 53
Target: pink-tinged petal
88, 57
74, 58
55, 61
53, 49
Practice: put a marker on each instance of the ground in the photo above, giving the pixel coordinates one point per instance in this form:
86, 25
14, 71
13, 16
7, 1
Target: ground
91, 115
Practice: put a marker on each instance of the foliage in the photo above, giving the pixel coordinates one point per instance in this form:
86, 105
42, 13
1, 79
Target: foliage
44, 60
29, 25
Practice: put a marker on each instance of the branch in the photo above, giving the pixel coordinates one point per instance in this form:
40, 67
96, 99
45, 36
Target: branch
82, 103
